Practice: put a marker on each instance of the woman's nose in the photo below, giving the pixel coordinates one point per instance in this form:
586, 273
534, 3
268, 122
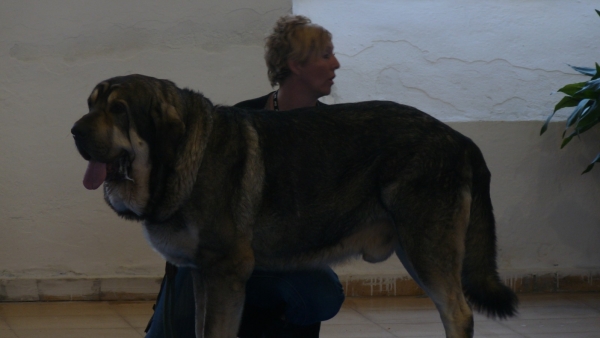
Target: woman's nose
335, 63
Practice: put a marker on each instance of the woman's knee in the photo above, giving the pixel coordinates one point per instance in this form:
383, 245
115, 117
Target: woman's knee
312, 296
329, 295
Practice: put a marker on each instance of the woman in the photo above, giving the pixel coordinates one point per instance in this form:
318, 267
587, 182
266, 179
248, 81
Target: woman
300, 60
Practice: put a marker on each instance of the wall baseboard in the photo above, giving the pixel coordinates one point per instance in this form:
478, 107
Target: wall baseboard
361, 286
72, 289
146, 288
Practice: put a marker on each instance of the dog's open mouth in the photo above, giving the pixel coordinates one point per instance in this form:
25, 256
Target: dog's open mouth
98, 172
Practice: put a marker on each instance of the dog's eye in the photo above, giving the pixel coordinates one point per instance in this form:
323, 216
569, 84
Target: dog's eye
118, 108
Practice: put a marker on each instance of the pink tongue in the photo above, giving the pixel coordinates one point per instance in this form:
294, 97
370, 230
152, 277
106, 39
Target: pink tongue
94, 175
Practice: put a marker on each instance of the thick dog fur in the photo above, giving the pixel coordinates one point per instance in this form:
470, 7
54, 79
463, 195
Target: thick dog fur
226, 190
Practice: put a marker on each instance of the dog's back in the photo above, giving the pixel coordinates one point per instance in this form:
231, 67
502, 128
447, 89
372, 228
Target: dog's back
375, 178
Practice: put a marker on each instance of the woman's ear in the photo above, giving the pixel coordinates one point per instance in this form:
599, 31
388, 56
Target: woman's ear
295, 67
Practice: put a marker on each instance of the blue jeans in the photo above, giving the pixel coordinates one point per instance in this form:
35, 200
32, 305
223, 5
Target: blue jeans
304, 297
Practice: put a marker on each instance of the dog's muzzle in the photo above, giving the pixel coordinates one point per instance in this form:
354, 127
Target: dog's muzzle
100, 169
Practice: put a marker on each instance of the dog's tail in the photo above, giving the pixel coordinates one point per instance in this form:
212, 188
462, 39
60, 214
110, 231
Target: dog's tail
480, 280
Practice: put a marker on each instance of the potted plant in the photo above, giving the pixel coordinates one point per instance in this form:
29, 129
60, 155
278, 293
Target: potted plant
585, 97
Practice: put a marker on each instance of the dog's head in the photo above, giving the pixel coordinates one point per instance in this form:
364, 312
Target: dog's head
132, 126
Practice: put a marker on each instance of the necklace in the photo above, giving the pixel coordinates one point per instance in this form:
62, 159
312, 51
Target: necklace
275, 102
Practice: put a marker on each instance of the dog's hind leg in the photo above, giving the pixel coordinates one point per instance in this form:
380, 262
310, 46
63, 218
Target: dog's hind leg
432, 234
447, 296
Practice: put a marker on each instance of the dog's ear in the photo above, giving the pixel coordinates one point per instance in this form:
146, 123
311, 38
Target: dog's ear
170, 130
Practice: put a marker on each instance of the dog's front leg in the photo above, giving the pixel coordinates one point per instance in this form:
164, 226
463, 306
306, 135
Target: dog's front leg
200, 300
223, 285
224, 306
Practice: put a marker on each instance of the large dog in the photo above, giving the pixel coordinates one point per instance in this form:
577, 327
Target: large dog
225, 190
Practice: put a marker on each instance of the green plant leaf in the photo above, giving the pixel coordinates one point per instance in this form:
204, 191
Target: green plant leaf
589, 117
576, 132
597, 75
572, 119
582, 107
598, 12
589, 167
572, 88
590, 91
584, 70
567, 101
545, 126
566, 140
575, 115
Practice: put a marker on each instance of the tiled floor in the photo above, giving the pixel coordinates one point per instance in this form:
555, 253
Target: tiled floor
556, 315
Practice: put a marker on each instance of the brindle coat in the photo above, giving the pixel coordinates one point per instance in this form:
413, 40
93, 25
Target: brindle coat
226, 190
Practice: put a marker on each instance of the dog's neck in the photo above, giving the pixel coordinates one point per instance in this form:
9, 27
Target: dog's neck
180, 182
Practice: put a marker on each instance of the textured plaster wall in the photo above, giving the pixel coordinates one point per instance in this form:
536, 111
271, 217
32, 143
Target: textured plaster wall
52, 54
462, 61
491, 69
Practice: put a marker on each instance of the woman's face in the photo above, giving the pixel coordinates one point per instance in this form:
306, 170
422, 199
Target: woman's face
318, 72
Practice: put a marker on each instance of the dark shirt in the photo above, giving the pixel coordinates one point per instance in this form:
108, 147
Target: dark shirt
257, 103
261, 103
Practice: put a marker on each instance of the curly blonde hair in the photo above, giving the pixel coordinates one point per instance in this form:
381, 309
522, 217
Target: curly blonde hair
294, 37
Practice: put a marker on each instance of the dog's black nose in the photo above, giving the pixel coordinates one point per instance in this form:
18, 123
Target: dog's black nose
81, 129
84, 127
77, 131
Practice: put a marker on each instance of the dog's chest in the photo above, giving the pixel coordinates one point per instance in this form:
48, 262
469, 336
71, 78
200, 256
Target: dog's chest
176, 244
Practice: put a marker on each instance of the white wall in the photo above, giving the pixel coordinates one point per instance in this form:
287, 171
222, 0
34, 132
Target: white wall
469, 61
462, 60
52, 54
